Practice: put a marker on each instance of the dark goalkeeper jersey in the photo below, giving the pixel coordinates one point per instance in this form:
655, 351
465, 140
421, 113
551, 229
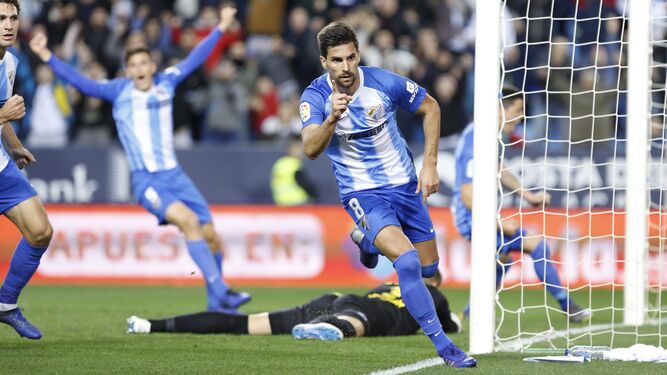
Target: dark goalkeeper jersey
387, 314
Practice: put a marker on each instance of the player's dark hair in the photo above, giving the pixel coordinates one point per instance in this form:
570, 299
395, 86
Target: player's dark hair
510, 94
14, 3
134, 50
335, 34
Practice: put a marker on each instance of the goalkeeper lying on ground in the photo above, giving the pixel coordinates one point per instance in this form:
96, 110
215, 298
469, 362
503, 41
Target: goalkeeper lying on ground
380, 312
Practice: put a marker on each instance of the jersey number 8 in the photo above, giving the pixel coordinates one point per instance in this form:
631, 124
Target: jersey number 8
356, 207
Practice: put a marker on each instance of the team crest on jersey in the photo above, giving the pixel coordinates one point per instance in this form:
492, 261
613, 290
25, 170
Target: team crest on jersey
10, 76
304, 111
376, 112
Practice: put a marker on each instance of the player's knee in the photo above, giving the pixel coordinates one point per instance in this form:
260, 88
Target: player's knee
40, 235
189, 222
431, 269
408, 263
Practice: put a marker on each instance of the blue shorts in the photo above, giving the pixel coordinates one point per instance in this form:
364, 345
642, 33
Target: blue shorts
374, 209
14, 187
156, 191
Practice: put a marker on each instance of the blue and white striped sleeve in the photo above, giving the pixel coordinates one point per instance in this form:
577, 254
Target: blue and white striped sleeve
177, 73
107, 90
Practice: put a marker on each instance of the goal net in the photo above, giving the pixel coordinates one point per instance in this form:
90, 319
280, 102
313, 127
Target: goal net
592, 137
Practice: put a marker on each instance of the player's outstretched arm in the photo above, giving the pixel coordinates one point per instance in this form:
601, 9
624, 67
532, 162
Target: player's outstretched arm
316, 137
102, 90
429, 182
200, 53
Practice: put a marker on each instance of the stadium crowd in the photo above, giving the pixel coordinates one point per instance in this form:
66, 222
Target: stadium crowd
249, 86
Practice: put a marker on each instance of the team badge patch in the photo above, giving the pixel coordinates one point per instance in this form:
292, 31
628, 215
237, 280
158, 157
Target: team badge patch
304, 111
376, 112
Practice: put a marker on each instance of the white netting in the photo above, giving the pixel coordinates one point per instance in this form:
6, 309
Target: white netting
569, 61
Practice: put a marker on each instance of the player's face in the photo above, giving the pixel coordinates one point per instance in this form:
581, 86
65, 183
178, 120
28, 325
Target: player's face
140, 69
513, 116
342, 62
9, 24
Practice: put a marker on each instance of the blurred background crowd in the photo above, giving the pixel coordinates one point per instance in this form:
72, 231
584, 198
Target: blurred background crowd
249, 87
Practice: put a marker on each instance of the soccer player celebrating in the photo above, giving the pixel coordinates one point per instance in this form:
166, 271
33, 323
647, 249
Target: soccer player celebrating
379, 312
142, 110
18, 200
510, 236
350, 114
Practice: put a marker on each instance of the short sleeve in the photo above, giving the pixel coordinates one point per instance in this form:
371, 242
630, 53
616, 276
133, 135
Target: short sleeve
406, 93
311, 107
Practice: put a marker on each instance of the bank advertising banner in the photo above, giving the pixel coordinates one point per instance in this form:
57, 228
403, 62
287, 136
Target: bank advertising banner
305, 246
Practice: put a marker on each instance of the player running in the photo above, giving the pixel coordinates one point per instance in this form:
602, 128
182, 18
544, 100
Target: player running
379, 312
350, 114
18, 200
511, 237
142, 110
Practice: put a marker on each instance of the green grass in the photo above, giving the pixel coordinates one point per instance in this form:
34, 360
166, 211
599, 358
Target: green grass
84, 332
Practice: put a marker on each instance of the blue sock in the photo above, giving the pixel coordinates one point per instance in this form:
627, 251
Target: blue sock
417, 298
499, 272
218, 261
213, 302
368, 247
547, 273
201, 254
23, 265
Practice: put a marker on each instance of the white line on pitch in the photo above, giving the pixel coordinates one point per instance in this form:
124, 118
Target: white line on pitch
508, 346
411, 367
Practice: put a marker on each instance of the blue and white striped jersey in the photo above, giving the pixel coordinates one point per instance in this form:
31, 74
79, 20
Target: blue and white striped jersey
143, 118
464, 169
8, 66
367, 150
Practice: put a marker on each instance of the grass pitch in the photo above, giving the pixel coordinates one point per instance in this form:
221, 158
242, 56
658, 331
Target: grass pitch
84, 332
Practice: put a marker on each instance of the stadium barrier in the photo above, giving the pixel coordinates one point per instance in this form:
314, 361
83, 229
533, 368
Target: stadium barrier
304, 246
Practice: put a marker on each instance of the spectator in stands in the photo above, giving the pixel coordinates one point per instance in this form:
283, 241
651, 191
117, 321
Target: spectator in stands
264, 103
226, 116
285, 124
301, 47
383, 53
49, 124
94, 123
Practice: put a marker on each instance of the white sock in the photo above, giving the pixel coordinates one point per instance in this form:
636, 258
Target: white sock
7, 306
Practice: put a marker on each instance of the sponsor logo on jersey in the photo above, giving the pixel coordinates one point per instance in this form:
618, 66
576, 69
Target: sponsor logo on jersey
304, 111
412, 88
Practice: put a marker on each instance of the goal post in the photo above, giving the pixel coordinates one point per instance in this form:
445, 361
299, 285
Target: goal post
485, 151
637, 155
629, 191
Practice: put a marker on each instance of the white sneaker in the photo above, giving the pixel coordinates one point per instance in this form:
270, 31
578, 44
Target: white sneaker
317, 331
137, 325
